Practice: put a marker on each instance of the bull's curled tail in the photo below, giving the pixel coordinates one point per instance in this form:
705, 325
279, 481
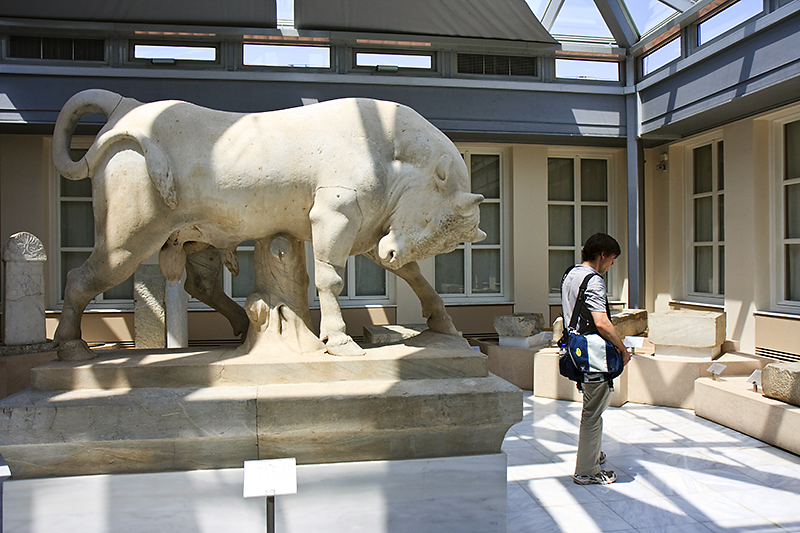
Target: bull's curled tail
107, 103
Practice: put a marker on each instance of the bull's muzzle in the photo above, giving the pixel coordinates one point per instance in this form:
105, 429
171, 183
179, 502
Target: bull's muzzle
388, 250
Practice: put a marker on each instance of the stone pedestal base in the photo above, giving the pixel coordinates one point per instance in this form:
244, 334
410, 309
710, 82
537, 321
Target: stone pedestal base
145, 411
733, 403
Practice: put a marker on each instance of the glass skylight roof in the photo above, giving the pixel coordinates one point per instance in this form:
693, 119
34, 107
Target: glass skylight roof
577, 20
580, 18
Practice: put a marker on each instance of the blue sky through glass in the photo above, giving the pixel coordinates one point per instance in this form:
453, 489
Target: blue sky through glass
580, 18
647, 14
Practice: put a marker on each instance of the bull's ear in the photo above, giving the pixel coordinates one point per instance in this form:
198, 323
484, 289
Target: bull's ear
443, 169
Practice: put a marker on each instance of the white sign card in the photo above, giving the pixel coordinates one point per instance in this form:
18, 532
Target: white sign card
633, 342
4, 472
270, 477
755, 378
717, 368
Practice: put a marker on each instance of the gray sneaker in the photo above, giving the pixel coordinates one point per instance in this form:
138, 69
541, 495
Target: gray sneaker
603, 477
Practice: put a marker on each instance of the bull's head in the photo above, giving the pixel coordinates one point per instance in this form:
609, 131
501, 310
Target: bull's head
433, 216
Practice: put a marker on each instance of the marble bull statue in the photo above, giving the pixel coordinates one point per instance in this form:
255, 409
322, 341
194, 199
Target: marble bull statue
351, 176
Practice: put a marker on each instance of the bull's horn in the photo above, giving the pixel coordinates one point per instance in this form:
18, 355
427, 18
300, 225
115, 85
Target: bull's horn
478, 236
467, 202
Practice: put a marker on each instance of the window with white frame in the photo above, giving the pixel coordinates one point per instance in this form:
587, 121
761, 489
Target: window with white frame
578, 192
365, 282
707, 220
789, 201
476, 269
76, 235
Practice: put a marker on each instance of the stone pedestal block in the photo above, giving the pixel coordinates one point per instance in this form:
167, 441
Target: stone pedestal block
23, 301
149, 307
683, 333
629, 322
149, 411
731, 401
519, 324
782, 382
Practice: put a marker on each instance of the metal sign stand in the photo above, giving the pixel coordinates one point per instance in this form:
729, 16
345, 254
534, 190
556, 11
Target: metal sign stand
269, 478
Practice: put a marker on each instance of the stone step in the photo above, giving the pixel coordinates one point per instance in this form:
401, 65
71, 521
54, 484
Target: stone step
96, 431
425, 356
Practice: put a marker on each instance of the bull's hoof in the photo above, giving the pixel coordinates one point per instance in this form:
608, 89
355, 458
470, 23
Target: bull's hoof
348, 348
443, 324
75, 350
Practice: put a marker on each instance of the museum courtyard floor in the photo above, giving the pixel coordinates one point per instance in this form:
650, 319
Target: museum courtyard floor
677, 473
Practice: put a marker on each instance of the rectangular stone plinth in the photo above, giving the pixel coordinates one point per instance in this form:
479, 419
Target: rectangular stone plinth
129, 414
669, 381
733, 403
443, 357
687, 329
514, 365
782, 382
97, 431
407, 419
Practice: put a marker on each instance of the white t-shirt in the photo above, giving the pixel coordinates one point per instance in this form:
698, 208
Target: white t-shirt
595, 297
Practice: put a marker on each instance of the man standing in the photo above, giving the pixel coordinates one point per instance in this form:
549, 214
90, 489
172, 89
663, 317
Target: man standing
598, 254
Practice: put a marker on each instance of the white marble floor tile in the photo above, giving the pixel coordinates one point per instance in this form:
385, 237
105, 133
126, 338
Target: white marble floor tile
767, 501
726, 479
683, 528
651, 512
746, 526
587, 517
533, 519
713, 507
551, 492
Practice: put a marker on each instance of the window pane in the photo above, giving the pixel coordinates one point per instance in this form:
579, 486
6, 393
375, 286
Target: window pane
580, 69
703, 269
364, 59
702, 220
485, 173
76, 188
242, 285
77, 225
721, 268
728, 18
702, 169
593, 220
792, 149
560, 182
277, 55
450, 272
70, 260
559, 262
490, 223
660, 57
594, 180
793, 272
370, 278
792, 211
185, 53
123, 291
720, 167
485, 271
721, 216
561, 225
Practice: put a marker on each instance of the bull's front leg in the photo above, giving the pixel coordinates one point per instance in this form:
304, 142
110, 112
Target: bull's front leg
335, 219
432, 305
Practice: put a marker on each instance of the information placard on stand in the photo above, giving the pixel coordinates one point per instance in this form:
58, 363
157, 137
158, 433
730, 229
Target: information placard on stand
269, 478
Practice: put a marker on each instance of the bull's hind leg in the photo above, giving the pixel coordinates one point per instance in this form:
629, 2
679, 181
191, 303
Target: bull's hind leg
204, 283
102, 271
